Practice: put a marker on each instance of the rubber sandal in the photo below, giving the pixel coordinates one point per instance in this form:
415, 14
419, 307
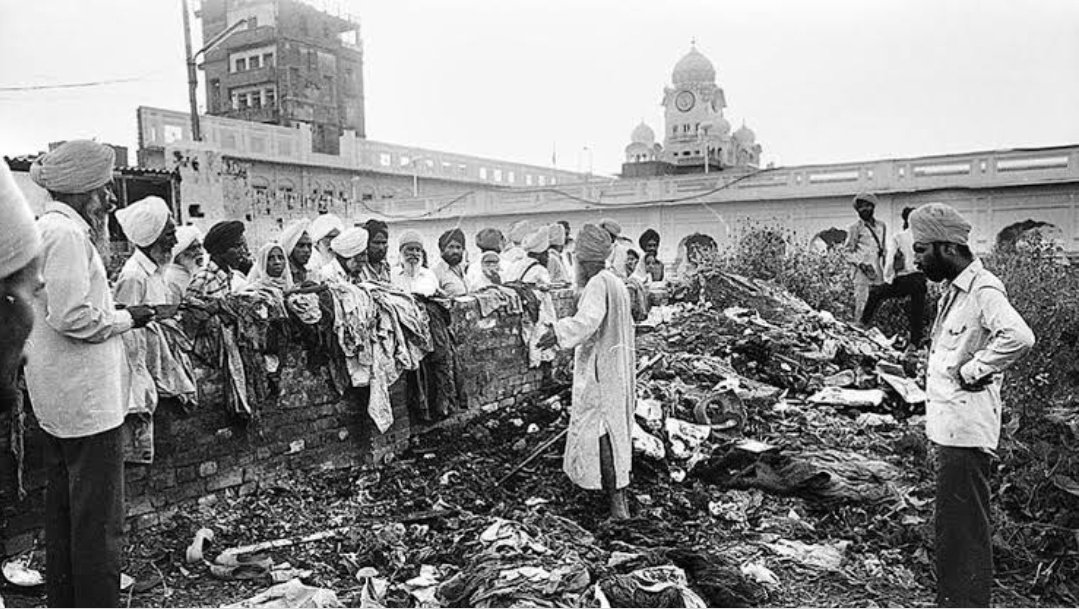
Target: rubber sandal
194, 551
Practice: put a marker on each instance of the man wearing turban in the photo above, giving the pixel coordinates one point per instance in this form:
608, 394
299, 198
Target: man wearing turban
148, 225
977, 335
75, 359
187, 259
322, 231
556, 241
902, 279
449, 270
227, 247
598, 454
297, 245
516, 234
649, 243
411, 276
568, 261
488, 240
533, 267
20, 279
865, 250
349, 249
376, 269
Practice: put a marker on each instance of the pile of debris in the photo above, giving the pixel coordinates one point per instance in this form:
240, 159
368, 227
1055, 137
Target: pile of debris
780, 460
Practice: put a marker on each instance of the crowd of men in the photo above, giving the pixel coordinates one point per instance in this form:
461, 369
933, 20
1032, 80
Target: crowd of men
56, 298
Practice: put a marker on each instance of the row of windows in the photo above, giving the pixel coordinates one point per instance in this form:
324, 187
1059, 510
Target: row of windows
251, 60
257, 97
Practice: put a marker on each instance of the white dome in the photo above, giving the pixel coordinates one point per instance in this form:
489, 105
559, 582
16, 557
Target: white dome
719, 126
643, 134
693, 68
745, 135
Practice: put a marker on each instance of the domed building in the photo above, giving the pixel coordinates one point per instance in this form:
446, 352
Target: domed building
696, 136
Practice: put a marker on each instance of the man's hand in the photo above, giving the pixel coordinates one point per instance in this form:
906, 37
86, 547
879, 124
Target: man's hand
548, 340
976, 386
867, 269
140, 315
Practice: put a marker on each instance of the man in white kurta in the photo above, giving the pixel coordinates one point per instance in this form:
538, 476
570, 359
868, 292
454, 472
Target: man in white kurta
598, 446
73, 375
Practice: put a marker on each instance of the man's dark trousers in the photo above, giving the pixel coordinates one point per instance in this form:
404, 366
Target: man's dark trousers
84, 516
964, 549
912, 285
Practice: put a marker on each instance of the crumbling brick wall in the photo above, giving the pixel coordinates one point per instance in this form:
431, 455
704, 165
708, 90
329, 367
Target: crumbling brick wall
202, 455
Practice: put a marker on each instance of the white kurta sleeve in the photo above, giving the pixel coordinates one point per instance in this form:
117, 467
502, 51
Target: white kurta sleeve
591, 310
70, 309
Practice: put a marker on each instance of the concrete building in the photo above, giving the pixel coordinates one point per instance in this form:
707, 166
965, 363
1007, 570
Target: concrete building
292, 65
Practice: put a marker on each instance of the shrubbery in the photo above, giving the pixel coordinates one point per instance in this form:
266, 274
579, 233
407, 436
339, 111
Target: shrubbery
1038, 518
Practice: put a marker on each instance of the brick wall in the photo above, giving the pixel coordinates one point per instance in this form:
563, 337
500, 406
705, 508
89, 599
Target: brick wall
203, 454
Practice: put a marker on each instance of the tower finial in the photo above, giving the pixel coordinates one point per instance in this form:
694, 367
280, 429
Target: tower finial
693, 42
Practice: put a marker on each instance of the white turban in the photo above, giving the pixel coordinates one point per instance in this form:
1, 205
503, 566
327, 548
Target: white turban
938, 223
144, 220
291, 235
324, 225
74, 167
409, 236
351, 242
186, 236
518, 231
19, 239
538, 241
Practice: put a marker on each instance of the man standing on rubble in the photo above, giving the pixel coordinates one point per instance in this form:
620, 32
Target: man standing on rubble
906, 280
976, 336
74, 377
598, 449
865, 250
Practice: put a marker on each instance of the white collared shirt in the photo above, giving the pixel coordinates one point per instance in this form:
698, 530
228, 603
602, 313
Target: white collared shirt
420, 281
451, 279
141, 282
75, 354
977, 333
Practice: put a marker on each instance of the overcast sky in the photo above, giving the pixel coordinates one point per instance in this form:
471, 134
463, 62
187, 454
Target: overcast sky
818, 81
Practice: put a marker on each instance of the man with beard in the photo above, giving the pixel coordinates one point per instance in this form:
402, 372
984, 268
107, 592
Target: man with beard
598, 453
348, 249
149, 227
649, 242
296, 243
411, 276
450, 273
186, 260
976, 336
221, 276
322, 231
865, 250
20, 281
376, 269
73, 374
907, 280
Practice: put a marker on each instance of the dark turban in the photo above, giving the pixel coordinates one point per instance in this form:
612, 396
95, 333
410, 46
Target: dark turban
451, 236
489, 240
377, 227
593, 244
646, 236
222, 236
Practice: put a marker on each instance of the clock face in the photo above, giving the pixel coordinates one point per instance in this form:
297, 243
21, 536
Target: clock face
684, 101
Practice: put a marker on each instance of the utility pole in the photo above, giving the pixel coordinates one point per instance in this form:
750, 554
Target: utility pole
192, 78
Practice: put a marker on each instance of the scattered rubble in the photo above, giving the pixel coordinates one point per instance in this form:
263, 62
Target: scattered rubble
747, 491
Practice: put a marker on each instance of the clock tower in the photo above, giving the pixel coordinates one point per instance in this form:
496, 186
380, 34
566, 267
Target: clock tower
693, 112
